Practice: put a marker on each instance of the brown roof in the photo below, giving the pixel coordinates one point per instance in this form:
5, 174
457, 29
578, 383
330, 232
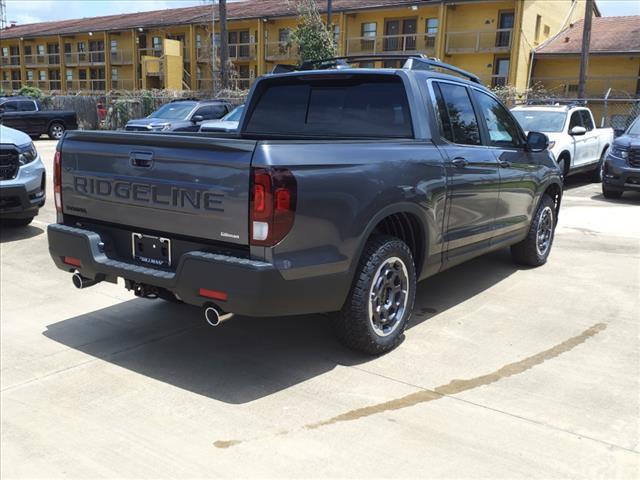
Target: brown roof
248, 9
608, 35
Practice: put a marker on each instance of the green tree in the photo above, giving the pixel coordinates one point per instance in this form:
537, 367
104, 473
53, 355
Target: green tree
311, 36
33, 92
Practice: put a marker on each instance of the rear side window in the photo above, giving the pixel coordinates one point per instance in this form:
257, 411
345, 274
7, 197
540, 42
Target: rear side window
212, 112
344, 107
26, 106
586, 120
457, 118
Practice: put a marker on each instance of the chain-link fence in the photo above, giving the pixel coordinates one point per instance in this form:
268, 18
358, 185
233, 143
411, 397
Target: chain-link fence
113, 111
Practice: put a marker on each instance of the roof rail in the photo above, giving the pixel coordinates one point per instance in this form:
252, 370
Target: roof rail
413, 61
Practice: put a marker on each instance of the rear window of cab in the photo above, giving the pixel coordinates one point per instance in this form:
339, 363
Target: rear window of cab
358, 106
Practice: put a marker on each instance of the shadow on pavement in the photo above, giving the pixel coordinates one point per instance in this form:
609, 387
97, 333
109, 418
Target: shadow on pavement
628, 198
246, 358
10, 233
577, 180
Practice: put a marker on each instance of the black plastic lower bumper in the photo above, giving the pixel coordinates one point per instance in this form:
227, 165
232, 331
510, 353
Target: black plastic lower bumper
620, 176
17, 203
253, 288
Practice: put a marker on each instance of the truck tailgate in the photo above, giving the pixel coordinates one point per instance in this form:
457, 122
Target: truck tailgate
195, 186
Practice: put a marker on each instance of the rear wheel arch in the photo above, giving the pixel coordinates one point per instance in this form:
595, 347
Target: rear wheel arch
403, 222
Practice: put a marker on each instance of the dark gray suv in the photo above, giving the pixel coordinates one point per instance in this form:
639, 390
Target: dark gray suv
180, 116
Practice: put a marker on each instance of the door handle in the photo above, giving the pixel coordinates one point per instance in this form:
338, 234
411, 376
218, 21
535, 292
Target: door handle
459, 162
504, 163
141, 159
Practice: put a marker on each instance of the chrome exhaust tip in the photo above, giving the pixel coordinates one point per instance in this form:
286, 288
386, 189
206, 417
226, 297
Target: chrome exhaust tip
81, 282
215, 316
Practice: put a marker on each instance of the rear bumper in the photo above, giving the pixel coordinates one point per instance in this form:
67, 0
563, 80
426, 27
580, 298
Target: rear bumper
619, 175
254, 288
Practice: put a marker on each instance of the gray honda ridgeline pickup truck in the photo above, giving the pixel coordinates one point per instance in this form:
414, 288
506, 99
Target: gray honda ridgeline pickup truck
342, 188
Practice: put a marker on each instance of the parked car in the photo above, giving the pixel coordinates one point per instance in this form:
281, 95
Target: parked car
180, 116
576, 143
228, 123
22, 178
621, 168
343, 188
28, 116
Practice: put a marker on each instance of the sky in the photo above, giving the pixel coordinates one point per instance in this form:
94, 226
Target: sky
30, 11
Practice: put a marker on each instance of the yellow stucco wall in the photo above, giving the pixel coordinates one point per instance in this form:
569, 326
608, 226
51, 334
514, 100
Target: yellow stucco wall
453, 17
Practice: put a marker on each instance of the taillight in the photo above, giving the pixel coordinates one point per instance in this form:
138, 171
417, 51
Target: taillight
57, 181
273, 205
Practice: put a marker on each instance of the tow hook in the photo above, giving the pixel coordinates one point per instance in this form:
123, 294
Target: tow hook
82, 282
214, 316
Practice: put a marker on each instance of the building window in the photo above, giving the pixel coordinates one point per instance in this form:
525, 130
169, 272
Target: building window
5, 51
82, 47
538, 26
547, 31
42, 75
199, 73
336, 34
5, 75
157, 43
40, 49
114, 74
283, 35
198, 41
82, 74
114, 46
30, 75
431, 29
370, 29
69, 75
500, 72
27, 50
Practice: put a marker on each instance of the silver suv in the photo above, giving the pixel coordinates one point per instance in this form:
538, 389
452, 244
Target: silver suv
22, 178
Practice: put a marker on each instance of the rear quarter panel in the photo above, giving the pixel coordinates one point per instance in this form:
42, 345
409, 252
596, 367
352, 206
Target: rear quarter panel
344, 189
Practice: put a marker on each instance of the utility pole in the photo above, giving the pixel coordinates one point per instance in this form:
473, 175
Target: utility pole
584, 55
214, 71
329, 13
3, 14
224, 45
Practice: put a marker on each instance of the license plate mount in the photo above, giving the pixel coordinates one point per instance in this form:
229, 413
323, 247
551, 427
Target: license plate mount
151, 250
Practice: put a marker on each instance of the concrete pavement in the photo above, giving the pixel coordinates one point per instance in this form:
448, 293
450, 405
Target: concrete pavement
504, 373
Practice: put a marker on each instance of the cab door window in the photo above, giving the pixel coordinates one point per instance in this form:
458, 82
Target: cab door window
501, 128
575, 121
457, 118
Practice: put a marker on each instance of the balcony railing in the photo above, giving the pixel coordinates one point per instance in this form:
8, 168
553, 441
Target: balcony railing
122, 84
392, 44
89, 85
479, 41
84, 58
40, 60
121, 57
280, 51
48, 85
494, 80
10, 61
596, 86
10, 85
237, 52
150, 52
206, 84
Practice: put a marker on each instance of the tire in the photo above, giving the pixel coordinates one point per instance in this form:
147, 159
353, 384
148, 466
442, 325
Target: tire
56, 130
357, 325
611, 193
18, 222
596, 176
564, 163
535, 249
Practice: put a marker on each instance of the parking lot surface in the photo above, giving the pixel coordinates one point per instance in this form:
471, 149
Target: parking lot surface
505, 372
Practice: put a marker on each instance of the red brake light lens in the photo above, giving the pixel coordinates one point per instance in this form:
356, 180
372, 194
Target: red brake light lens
273, 205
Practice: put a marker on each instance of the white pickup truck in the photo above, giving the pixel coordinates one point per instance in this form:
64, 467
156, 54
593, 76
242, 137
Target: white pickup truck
576, 143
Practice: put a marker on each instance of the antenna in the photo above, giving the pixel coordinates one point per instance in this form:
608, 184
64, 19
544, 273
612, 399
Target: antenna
3, 14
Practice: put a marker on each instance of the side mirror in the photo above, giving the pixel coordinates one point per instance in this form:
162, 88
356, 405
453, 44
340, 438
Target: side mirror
577, 131
197, 118
537, 142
